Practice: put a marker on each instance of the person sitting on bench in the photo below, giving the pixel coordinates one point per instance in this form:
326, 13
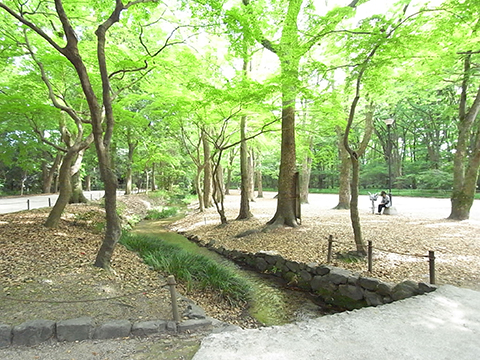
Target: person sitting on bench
385, 203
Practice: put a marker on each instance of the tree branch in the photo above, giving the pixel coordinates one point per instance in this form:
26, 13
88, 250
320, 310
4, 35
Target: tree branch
46, 81
42, 136
123, 72
33, 27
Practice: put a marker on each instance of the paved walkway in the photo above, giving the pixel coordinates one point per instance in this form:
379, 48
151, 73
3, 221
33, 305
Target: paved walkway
444, 324
26, 202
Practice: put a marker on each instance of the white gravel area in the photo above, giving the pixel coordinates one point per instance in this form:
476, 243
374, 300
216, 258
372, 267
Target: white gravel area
444, 324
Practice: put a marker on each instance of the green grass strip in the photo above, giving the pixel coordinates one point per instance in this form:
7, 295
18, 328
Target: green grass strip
194, 270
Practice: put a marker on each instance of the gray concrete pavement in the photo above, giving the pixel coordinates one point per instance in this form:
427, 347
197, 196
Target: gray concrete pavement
441, 325
19, 203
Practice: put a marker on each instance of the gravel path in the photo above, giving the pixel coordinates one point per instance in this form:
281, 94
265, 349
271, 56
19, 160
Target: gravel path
444, 324
165, 347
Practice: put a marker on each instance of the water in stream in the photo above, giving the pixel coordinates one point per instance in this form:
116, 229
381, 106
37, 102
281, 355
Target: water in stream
272, 303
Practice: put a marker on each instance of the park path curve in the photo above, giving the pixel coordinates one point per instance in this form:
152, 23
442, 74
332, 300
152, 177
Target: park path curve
444, 324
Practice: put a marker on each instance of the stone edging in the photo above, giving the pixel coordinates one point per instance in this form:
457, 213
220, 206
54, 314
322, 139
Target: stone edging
336, 286
33, 332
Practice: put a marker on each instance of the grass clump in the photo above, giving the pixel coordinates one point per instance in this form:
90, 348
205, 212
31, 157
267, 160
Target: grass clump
194, 270
156, 214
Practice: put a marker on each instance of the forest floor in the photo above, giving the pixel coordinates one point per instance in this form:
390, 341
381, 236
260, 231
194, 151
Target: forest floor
400, 242
40, 265
45, 272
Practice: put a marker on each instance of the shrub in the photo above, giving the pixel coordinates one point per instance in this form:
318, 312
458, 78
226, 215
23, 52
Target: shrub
156, 214
435, 179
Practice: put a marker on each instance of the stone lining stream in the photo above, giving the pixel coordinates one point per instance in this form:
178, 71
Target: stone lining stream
273, 303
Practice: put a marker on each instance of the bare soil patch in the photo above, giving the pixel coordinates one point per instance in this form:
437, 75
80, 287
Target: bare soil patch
400, 242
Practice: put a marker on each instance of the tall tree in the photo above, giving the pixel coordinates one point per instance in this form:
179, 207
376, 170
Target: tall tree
467, 155
290, 48
32, 15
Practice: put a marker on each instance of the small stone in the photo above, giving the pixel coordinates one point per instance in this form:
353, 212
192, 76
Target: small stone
146, 328
368, 283
351, 291
5, 335
305, 275
113, 329
75, 329
338, 276
293, 266
372, 298
426, 288
324, 269
261, 264
194, 324
384, 288
33, 332
194, 311
405, 290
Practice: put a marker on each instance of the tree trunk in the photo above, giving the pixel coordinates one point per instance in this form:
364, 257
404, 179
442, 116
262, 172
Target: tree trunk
199, 189
88, 183
258, 173
103, 132
305, 174
154, 184
286, 203
49, 174
467, 159
228, 184
22, 182
65, 186
219, 183
77, 190
132, 145
344, 178
251, 175
113, 228
218, 194
207, 172
289, 54
244, 212
128, 181
354, 215
77, 195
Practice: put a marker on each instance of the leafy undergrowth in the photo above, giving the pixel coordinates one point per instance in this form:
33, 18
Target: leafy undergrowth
196, 271
156, 214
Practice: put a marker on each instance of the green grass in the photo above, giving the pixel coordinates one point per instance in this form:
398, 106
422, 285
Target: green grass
193, 270
156, 214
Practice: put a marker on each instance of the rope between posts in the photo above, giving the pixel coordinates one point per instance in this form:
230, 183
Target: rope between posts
80, 301
376, 248
399, 253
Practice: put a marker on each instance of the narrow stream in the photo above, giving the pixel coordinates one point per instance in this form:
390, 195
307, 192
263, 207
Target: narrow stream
272, 303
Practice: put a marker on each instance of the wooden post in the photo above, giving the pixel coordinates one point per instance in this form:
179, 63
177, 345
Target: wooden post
173, 294
28, 204
369, 256
431, 266
329, 254
49, 202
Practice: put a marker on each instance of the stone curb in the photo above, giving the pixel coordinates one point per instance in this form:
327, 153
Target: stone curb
34, 332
